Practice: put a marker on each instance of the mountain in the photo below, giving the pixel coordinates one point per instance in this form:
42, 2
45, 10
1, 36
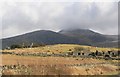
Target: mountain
113, 43
114, 37
76, 36
86, 34
93, 38
42, 36
108, 44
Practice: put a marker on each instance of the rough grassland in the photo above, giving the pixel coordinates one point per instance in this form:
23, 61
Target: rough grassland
59, 48
36, 65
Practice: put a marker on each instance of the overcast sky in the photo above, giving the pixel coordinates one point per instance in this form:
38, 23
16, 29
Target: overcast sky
22, 17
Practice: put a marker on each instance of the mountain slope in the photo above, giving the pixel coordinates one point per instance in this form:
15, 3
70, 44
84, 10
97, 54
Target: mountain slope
86, 34
42, 36
76, 36
114, 37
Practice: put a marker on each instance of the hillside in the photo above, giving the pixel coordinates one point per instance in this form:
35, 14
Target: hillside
38, 37
93, 38
115, 37
87, 34
77, 36
59, 48
28, 61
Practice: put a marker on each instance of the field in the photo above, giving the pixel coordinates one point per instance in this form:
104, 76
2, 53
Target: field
13, 64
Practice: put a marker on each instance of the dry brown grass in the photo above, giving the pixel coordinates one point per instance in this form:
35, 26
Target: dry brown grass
27, 60
59, 48
57, 65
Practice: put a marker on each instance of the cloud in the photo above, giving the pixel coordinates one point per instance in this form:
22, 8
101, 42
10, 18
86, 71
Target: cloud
91, 15
22, 17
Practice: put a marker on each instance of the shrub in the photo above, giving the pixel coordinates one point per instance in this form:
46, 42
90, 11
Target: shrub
78, 48
70, 50
38, 45
15, 46
92, 54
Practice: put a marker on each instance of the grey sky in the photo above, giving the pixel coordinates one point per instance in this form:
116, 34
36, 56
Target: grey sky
22, 17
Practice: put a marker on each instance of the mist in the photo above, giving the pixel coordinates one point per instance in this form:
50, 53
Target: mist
23, 17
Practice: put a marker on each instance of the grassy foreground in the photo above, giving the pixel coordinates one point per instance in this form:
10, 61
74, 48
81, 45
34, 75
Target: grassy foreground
37, 65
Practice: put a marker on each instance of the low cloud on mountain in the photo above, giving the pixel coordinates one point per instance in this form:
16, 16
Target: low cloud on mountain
22, 17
